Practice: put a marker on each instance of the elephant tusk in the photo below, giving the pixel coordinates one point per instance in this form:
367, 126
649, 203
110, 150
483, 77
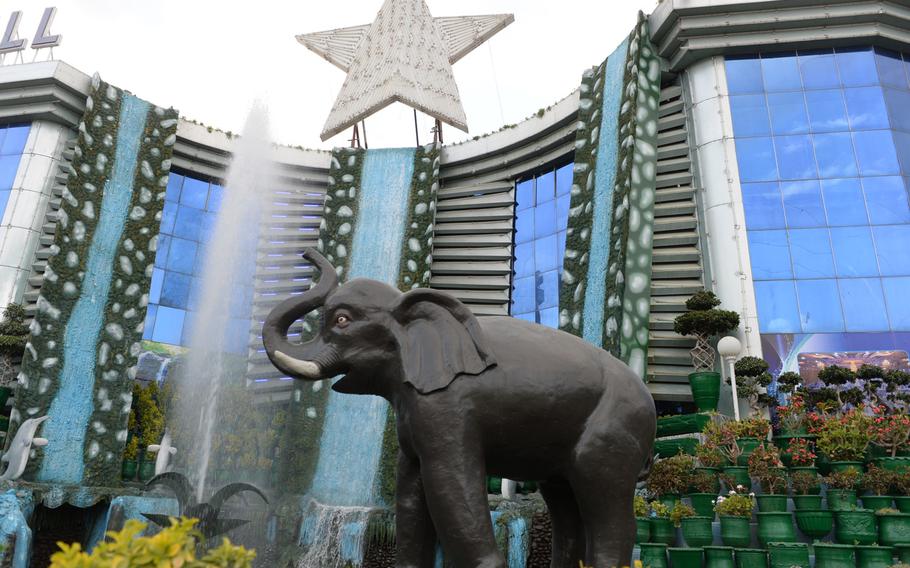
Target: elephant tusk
306, 369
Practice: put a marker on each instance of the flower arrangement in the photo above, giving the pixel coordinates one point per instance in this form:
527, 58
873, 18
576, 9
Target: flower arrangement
801, 452
765, 465
735, 504
877, 480
847, 479
671, 475
803, 482
681, 511
845, 438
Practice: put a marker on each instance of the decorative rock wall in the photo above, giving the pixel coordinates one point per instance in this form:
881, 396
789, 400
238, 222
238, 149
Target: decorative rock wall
81, 355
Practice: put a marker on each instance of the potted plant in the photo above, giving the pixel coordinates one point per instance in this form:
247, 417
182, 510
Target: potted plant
800, 454
766, 467
704, 321
150, 421
877, 482
804, 483
662, 530
735, 512
855, 526
705, 489
893, 527
13, 335
845, 439
841, 493
752, 380
749, 433
642, 512
669, 478
792, 416
130, 453
709, 457
902, 490
696, 530
890, 426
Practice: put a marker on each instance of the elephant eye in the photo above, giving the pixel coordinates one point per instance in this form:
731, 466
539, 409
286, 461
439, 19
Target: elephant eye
342, 320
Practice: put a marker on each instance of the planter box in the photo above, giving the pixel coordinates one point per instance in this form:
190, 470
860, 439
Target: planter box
771, 503
703, 503
841, 499
672, 446
642, 530
681, 424
662, 531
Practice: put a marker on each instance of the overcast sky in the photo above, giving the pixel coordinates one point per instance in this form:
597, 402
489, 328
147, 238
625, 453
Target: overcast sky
211, 58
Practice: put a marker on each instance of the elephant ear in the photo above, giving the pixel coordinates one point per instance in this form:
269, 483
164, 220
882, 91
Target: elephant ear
439, 339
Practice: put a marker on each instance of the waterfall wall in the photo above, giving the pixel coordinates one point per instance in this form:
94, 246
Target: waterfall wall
81, 355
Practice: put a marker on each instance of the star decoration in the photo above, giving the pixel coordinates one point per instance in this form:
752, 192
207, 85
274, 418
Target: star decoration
405, 55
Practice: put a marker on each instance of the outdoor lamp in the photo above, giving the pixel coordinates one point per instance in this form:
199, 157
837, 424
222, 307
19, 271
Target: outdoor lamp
729, 348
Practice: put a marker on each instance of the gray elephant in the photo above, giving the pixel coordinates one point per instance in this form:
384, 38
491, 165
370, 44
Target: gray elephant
475, 397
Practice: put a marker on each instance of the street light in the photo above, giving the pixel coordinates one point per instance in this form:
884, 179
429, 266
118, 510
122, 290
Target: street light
729, 348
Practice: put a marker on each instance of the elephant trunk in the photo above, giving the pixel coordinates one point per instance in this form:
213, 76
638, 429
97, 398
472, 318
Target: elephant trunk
308, 360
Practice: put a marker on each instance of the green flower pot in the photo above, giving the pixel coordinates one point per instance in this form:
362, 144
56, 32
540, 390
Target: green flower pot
669, 499
654, 555
128, 469
782, 441
751, 558
828, 555
714, 472
800, 432
841, 499
740, 475
876, 502
685, 557
874, 556
772, 503
903, 554
855, 527
705, 390
902, 502
681, 424
856, 466
807, 502
788, 554
894, 529
894, 464
747, 445
719, 557
494, 485
735, 531
697, 532
642, 530
662, 531
815, 524
812, 469
672, 446
146, 470
703, 503
5, 393
822, 462
775, 527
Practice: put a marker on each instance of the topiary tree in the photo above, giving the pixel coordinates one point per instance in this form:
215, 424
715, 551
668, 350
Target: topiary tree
789, 382
704, 321
752, 378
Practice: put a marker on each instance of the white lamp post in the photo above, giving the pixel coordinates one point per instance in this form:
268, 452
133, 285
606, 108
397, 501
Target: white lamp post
729, 348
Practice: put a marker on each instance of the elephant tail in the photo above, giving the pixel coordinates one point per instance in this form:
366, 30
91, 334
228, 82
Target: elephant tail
646, 469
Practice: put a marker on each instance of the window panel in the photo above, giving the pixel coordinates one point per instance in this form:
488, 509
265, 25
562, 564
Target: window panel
216, 196
890, 68
14, 139
864, 304
788, 113
764, 206
827, 111
174, 183
866, 108
795, 159
149, 325
834, 154
550, 317
856, 66
545, 218
902, 147
818, 69
819, 306
898, 103
844, 202
744, 75
546, 187
8, 167
897, 290
524, 259
548, 289
563, 203
169, 217
780, 72
777, 308
164, 248
852, 251
524, 195
564, 179
755, 157
194, 193
886, 198
189, 224
545, 257
875, 153
770, 255
524, 226
155, 289
175, 291
803, 204
168, 325
810, 250
182, 255
892, 244
750, 115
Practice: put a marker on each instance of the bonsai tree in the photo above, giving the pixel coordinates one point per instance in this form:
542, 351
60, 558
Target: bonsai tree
877, 480
13, 335
789, 382
803, 482
841, 381
704, 321
670, 476
752, 380
765, 465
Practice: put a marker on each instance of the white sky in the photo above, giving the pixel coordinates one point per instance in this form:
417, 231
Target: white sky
211, 58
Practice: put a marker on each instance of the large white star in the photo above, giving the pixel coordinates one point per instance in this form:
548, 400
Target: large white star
405, 55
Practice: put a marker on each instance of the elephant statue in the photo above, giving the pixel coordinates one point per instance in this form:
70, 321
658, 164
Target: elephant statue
475, 397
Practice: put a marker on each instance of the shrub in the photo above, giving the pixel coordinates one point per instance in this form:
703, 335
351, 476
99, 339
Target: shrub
671, 475
801, 454
735, 504
702, 300
752, 428
789, 382
174, 546
848, 479
703, 482
709, 455
131, 452
640, 505
845, 438
902, 481
803, 482
681, 511
765, 465
877, 480
660, 510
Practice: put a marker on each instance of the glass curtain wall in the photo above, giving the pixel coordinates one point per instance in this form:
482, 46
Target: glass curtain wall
12, 143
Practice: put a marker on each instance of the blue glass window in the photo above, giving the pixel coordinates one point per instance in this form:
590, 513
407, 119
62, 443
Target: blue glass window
12, 144
541, 216
826, 175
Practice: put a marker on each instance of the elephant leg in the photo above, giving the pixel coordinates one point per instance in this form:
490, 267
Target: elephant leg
456, 494
568, 535
416, 535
